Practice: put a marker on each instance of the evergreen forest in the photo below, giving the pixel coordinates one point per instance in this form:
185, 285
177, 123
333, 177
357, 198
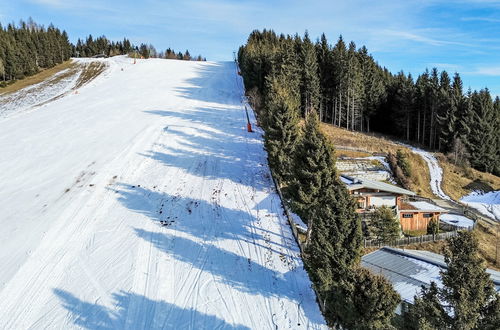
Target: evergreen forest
346, 87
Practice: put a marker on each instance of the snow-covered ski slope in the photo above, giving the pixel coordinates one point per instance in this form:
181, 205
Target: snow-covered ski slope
86, 180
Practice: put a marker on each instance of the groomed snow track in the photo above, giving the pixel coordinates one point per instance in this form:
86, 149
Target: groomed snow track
87, 179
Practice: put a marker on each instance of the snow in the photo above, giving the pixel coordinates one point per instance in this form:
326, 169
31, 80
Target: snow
87, 179
425, 206
486, 203
27, 98
435, 171
457, 220
346, 180
362, 167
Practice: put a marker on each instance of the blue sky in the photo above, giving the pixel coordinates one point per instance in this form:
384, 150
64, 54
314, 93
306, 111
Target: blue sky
456, 35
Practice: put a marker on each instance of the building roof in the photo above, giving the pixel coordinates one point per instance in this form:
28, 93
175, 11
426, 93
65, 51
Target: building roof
358, 183
421, 206
408, 270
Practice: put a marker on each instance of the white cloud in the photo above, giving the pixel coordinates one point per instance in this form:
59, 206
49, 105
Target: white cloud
488, 71
483, 19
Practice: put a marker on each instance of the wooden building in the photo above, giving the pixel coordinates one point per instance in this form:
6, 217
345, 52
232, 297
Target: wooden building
417, 215
373, 194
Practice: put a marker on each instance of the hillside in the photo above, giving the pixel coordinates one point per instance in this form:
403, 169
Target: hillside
457, 181
139, 201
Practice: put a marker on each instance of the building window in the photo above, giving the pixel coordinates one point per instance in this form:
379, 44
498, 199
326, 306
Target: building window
407, 215
427, 215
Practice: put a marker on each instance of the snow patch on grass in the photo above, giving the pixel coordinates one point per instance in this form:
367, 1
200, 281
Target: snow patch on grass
486, 203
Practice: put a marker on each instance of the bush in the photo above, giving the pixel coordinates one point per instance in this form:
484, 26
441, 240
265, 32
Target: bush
433, 227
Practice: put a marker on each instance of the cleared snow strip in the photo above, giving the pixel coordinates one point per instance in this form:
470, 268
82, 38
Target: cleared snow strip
456, 220
435, 171
486, 203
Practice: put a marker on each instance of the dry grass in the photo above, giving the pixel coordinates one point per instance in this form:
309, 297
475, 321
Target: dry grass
37, 78
371, 143
487, 236
377, 143
351, 153
460, 181
89, 73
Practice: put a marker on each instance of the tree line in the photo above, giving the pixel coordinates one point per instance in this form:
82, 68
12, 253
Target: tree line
348, 88
283, 82
28, 47
102, 46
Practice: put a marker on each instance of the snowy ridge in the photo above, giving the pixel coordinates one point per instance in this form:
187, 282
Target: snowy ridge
142, 203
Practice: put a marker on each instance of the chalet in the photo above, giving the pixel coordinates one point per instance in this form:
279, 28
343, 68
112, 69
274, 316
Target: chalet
369, 195
417, 215
409, 270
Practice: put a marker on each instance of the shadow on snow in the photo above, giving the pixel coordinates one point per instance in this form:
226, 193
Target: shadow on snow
153, 314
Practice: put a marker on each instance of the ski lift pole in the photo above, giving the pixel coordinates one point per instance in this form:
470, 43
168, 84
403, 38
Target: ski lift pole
249, 125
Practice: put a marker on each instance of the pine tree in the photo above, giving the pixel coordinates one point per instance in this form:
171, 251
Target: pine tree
335, 243
2, 69
481, 141
433, 227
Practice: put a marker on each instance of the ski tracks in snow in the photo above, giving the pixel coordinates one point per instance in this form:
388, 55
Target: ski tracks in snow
181, 229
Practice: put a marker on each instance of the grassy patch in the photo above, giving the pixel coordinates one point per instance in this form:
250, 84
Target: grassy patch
415, 233
37, 78
351, 153
459, 181
487, 236
89, 73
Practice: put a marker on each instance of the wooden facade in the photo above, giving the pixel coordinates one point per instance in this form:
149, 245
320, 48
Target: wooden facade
416, 220
370, 195
417, 215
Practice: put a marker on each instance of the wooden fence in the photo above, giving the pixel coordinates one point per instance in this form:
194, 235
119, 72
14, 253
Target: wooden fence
414, 240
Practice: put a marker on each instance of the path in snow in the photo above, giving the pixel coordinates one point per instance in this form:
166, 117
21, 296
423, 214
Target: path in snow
86, 182
435, 171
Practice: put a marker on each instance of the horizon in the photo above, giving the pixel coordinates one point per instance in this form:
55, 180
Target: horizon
456, 36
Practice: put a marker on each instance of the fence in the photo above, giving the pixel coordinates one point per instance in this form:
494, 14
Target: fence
414, 240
